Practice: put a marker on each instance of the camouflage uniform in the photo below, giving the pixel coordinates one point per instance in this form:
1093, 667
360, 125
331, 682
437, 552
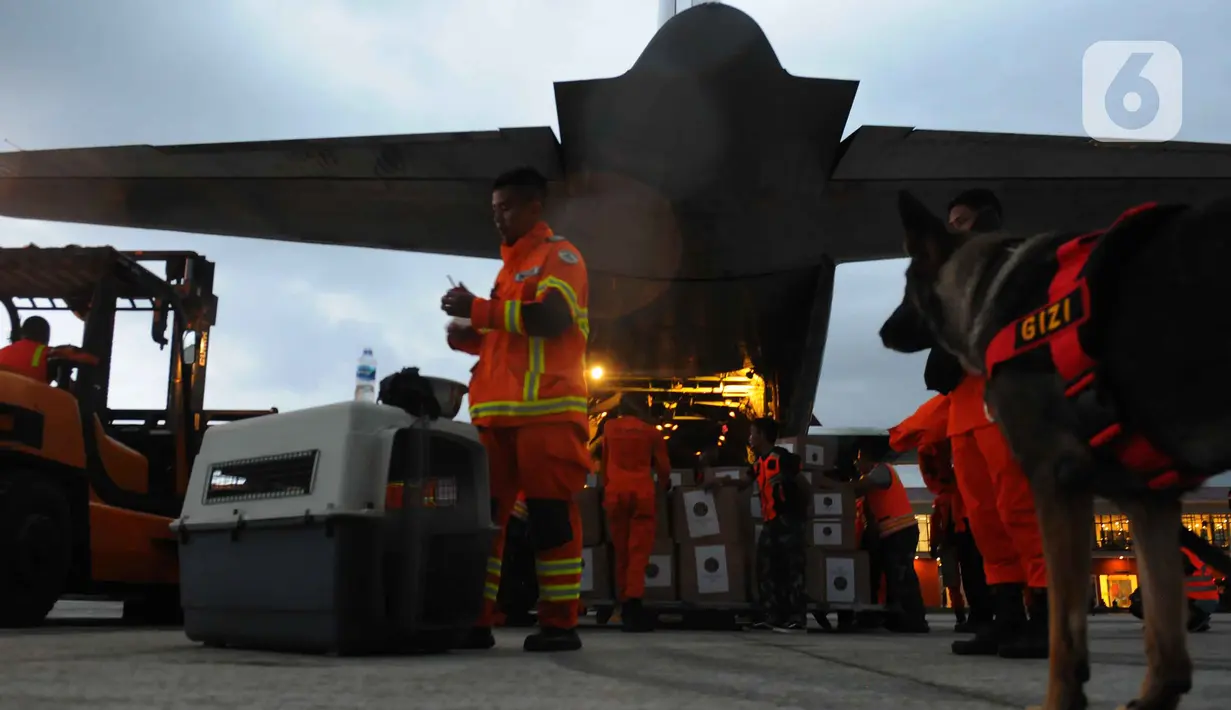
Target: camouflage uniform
780, 571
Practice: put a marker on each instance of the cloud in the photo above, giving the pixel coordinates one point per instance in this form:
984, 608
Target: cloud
293, 318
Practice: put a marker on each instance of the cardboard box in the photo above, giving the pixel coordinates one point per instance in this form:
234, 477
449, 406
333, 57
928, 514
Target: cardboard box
596, 574
832, 503
834, 534
593, 520
730, 473
699, 516
822, 480
660, 576
679, 476
822, 455
837, 578
714, 573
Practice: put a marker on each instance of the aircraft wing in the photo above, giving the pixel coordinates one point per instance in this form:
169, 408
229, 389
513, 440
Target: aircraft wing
1043, 182
349, 191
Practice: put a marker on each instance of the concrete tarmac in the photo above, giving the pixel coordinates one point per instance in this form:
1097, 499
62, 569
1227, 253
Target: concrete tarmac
83, 659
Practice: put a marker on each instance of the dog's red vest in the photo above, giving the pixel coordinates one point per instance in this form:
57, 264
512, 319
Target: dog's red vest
1057, 325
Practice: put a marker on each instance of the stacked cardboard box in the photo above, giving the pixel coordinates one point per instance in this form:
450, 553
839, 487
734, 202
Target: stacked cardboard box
596, 582
700, 550
661, 580
837, 572
705, 546
711, 534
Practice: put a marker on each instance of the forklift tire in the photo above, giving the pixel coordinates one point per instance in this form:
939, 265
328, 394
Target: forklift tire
157, 607
36, 548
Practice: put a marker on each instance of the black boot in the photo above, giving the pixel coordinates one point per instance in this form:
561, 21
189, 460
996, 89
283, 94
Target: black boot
479, 638
1010, 618
549, 639
1032, 641
635, 618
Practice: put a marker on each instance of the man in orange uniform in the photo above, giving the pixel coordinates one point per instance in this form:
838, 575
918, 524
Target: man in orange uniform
1199, 586
1201, 590
629, 447
528, 398
996, 493
28, 356
891, 518
962, 565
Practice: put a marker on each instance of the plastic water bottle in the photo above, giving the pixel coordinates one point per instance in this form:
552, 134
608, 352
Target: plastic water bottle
365, 377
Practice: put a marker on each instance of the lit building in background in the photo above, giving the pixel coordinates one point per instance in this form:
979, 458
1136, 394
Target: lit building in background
1114, 575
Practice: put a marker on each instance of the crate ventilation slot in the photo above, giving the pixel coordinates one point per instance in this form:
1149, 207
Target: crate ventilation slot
262, 478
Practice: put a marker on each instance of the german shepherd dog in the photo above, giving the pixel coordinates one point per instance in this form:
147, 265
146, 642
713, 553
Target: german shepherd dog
1163, 348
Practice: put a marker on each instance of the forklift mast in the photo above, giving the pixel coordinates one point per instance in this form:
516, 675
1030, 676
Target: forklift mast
98, 283
183, 299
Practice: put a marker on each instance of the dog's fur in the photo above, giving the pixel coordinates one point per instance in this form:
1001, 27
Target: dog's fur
1165, 360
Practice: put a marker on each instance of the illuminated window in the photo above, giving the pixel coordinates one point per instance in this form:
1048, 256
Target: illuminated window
1215, 529
1111, 533
925, 534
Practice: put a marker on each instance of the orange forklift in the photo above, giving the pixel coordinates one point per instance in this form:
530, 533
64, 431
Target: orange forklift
87, 492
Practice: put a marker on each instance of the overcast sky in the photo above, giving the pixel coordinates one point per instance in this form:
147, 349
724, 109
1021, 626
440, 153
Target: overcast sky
293, 318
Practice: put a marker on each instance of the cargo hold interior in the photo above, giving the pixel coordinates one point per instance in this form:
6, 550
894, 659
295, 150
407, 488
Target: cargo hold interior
696, 415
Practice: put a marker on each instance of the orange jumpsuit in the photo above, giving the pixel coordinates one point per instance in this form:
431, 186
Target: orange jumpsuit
629, 493
25, 357
997, 494
528, 398
927, 431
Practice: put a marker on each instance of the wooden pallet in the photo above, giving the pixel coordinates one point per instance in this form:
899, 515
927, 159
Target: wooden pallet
604, 609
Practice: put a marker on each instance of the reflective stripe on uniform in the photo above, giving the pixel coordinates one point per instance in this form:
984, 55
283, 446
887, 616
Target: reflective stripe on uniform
1200, 584
892, 525
520, 511
581, 316
512, 317
38, 354
557, 591
492, 589
556, 405
554, 568
534, 370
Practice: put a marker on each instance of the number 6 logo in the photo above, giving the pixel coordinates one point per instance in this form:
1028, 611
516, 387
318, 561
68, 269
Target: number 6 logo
1132, 91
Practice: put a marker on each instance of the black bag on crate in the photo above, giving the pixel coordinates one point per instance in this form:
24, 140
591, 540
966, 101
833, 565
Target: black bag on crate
412, 392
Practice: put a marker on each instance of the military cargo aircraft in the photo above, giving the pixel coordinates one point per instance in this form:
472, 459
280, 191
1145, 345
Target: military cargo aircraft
711, 192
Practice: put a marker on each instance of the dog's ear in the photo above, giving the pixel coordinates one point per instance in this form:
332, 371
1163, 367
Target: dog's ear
927, 239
